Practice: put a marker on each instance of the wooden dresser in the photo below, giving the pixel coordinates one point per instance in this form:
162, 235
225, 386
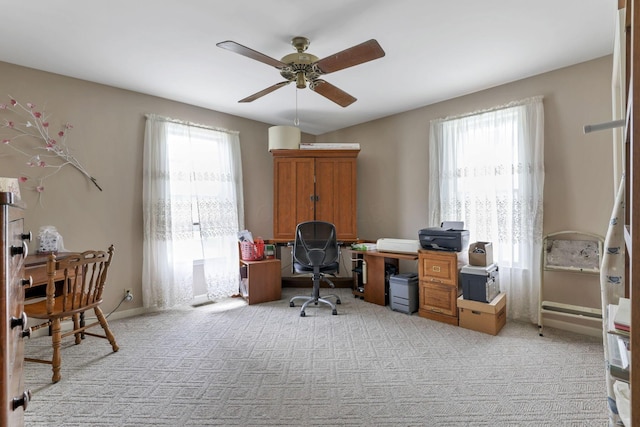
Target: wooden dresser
438, 285
13, 321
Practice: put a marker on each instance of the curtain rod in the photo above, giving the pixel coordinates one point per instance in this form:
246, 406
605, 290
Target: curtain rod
603, 126
488, 110
182, 122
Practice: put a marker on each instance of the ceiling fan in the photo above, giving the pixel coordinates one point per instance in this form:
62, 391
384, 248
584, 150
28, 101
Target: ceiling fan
305, 68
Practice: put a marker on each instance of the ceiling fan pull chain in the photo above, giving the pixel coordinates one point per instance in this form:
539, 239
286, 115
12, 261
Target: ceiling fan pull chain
296, 121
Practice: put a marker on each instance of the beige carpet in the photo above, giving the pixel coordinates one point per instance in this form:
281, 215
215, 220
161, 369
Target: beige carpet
231, 364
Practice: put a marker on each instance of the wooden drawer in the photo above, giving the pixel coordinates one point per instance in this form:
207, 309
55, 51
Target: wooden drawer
439, 298
39, 275
441, 267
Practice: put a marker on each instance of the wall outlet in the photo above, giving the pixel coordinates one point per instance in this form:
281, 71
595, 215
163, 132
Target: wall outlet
128, 296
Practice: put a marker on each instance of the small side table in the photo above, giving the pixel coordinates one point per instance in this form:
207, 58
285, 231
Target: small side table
263, 281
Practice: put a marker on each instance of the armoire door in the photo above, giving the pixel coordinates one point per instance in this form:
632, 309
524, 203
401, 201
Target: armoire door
336, 195
293, 195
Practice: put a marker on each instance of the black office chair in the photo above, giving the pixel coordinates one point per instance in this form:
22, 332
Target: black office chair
316, 251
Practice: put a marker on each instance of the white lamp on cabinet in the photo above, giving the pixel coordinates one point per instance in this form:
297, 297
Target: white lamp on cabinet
284, 138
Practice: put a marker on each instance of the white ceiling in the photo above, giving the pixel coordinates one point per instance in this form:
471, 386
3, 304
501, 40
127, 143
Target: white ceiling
435, 50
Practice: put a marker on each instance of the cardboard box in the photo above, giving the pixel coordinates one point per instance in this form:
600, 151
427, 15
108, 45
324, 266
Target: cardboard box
483, 317
481, 254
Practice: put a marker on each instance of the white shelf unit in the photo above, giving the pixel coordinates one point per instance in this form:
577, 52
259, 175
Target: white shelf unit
574, 252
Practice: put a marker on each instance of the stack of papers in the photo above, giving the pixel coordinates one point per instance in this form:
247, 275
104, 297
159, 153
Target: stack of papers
329, 146
618, 339
363, 246
622, 318
612, 311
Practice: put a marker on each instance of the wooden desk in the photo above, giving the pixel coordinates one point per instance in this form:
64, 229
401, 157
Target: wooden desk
375, 289
35, 265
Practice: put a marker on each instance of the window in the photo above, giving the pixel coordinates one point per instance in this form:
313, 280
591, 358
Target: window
193, 209
487, 170
198, 159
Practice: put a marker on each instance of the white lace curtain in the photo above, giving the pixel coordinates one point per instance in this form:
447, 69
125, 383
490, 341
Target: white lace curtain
192, 209
487, 169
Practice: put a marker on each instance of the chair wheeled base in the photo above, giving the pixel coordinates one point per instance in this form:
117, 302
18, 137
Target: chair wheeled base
315, 298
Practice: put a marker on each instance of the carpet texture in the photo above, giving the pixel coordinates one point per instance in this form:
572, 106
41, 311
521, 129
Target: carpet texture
231, 364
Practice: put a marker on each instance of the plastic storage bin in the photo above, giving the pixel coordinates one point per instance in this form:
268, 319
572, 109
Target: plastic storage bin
403, 292
252, 251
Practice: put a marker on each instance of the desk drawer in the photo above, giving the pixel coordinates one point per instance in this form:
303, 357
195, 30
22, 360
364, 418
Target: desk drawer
438, 298
441, 267
39, 274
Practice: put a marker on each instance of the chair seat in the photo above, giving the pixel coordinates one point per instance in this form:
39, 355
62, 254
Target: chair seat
38, 310
303, 268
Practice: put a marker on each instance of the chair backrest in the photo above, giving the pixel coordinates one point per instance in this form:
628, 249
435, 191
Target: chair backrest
316, 244
82, 275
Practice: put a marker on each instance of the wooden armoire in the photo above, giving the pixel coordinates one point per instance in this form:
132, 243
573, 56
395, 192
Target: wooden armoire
314, 185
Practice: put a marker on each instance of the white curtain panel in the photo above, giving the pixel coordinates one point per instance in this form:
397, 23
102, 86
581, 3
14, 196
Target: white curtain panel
192, 209
487, 169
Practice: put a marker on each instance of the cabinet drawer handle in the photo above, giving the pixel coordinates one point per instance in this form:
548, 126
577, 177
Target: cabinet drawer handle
21, 401
19, 321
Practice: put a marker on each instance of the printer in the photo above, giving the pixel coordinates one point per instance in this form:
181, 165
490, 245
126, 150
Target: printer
448, 237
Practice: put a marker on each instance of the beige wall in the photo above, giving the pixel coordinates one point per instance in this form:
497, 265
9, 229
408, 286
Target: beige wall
578, 167
107, 139
392, 165
578, 191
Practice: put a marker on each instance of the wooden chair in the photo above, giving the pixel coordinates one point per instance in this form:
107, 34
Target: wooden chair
84, 275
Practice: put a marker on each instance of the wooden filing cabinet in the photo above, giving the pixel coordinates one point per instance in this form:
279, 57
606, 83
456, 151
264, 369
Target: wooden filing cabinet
438, 285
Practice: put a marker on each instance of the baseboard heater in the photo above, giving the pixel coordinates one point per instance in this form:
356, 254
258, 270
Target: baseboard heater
571, 310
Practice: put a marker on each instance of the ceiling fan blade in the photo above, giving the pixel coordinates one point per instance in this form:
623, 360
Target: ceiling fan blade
355, 55
332, 93
263, 92
250, 53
